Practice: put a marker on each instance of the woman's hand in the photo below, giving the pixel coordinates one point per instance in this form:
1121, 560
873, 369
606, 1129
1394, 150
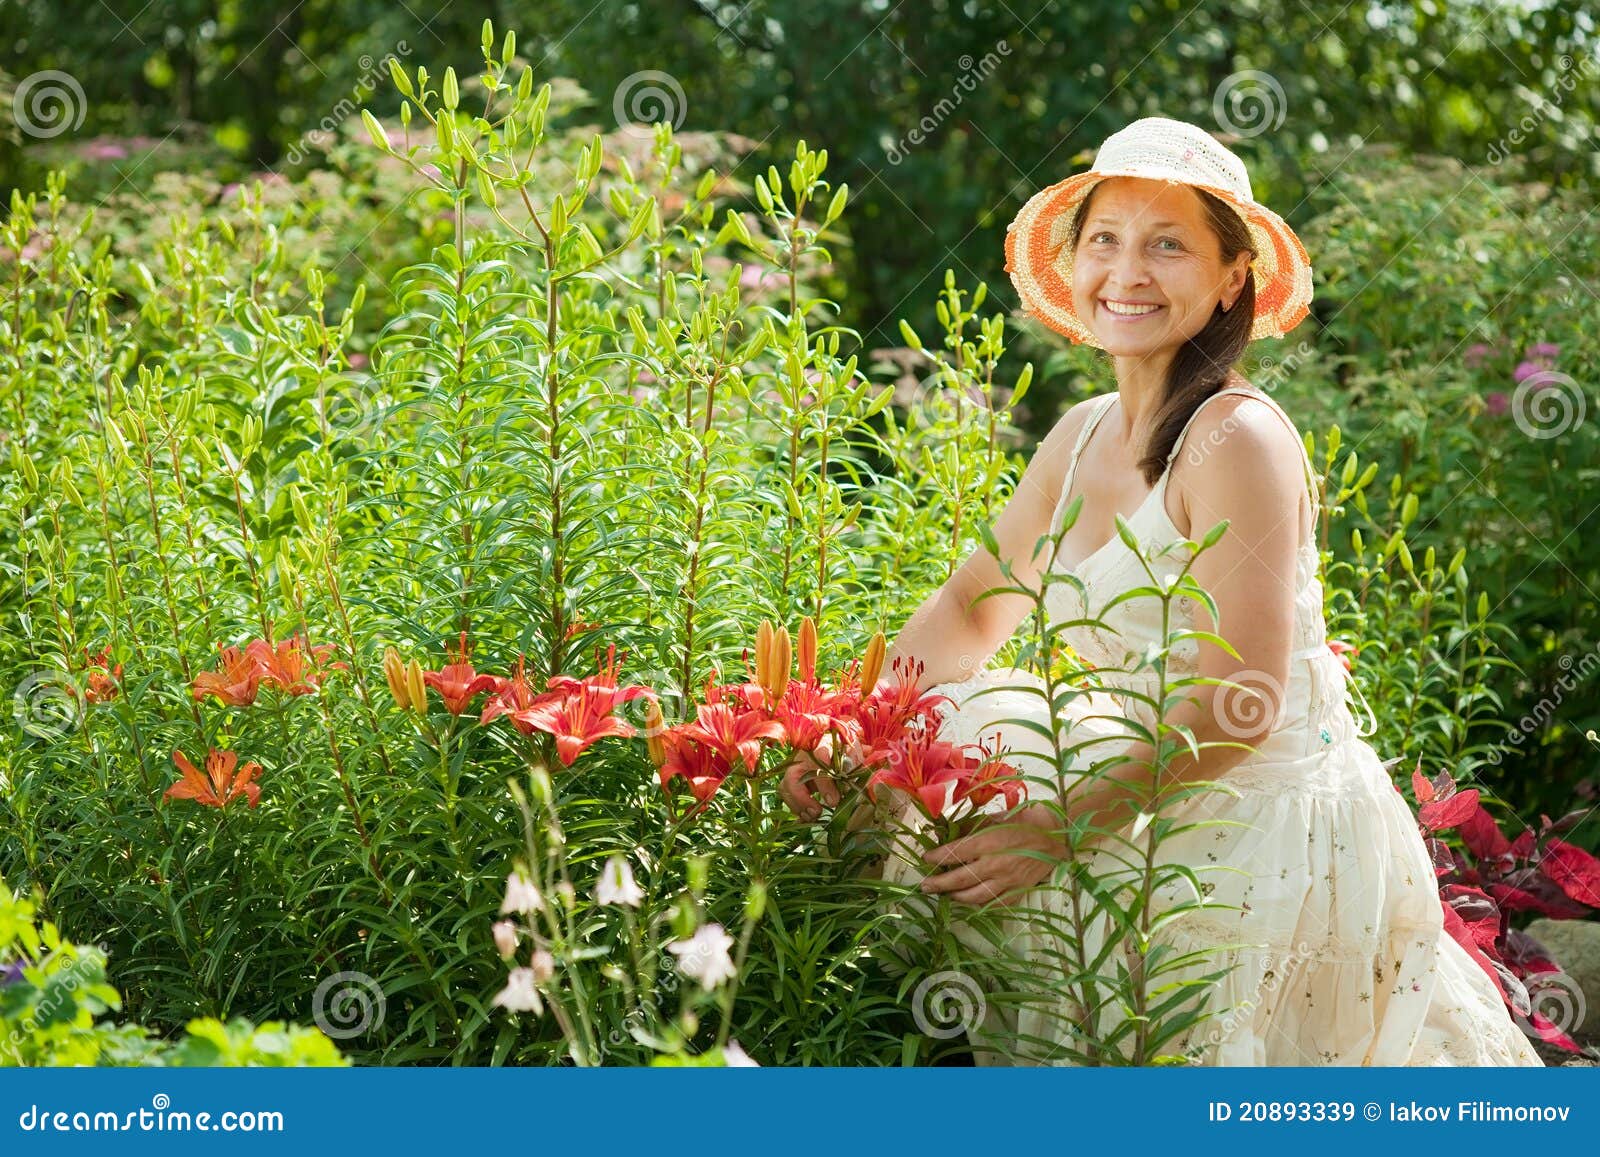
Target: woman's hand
803, 773
989, 864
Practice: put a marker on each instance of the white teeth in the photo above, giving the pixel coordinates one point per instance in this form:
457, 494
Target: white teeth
1130, 310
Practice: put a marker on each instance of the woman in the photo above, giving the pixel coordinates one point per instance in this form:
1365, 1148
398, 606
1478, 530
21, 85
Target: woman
1328, 917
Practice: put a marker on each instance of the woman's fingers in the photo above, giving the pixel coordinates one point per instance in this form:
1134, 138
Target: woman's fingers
797, 783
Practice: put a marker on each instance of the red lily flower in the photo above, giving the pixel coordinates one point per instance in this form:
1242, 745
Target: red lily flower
237, 679
701, 766
219, 784
516, 694
926, 768
887, 713
457, 682
808, 713
732, 733
582, 711
989, 780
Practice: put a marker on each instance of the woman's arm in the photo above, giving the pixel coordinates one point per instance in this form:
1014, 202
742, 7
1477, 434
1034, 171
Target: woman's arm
953, 633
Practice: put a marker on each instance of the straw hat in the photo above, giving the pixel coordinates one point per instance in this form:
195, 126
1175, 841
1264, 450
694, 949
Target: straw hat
1040, 260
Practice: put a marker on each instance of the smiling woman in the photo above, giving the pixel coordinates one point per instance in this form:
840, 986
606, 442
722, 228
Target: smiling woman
1295, 888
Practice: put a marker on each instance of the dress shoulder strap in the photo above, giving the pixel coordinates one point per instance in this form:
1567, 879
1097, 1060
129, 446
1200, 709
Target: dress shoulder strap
1305, 458
1101, 406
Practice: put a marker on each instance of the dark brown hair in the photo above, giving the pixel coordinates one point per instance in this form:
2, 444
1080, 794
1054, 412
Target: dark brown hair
1205, 363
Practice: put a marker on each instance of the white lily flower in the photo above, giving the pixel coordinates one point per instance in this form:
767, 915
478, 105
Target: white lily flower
521, 895
519, 994
617, 885
704, 956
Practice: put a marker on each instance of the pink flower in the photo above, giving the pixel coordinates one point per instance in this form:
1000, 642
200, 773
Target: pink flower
1497, 403
101, 149
1477, 354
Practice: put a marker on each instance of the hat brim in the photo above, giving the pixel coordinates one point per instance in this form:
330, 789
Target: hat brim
1039, 259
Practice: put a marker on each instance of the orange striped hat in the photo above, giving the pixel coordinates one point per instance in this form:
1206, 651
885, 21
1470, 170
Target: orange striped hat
1040, 260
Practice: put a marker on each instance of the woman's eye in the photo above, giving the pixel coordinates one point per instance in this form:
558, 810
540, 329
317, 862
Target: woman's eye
1175, 243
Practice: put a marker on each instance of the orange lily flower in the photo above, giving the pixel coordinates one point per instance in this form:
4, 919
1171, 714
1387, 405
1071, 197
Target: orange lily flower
1343, 650
286, 666
516, 694
734, 734
104, 679
457, 682
237, 679
702, 767
580, 711
219, 784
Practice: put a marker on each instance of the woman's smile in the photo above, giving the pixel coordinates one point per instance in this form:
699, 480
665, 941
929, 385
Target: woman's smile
1129, 311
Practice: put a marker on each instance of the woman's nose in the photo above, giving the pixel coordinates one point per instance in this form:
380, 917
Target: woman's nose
1130, 269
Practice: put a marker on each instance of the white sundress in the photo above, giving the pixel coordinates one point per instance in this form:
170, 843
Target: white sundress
1329, 907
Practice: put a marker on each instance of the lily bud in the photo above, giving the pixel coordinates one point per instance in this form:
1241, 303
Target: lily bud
782, 660
394, 670
808, 648
654, 724
505, 939
872, 664
416, 688
764, 655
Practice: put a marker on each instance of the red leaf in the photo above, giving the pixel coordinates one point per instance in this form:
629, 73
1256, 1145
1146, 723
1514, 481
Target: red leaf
1462, 935
1526, 890
1420, 784
1522, 846
1477, 910
1574, 870
1450, 811
1483, 836
1444, 860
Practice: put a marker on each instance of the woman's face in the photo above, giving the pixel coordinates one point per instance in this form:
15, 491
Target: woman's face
1147, 247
